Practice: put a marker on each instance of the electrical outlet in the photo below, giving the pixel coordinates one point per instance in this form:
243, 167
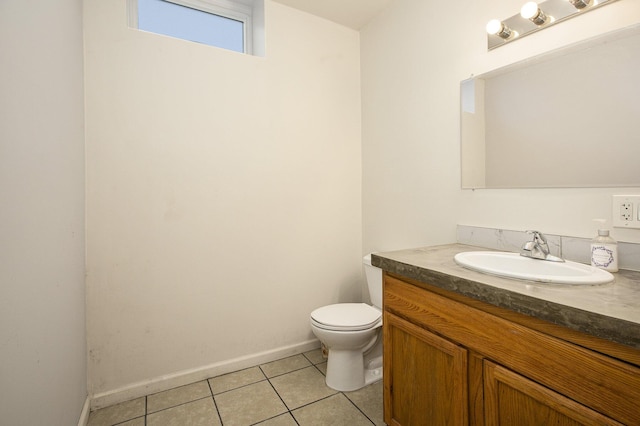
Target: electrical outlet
626, 211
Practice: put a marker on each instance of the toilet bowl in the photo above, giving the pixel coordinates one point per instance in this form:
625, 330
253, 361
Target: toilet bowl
352, 333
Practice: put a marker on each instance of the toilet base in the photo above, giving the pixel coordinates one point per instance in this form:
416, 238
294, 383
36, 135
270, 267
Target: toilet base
349, 370
374, 372
347, 374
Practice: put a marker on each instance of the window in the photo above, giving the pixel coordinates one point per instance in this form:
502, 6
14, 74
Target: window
221, 23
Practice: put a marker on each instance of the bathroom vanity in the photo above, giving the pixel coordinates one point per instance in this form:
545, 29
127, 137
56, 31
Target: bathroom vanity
462, 347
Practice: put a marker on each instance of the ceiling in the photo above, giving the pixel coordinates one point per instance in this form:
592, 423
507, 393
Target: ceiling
351, 13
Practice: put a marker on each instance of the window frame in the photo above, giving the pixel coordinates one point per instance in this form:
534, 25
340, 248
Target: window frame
237, 10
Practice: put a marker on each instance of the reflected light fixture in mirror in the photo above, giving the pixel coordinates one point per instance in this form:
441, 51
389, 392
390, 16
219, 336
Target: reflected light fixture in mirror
535, 17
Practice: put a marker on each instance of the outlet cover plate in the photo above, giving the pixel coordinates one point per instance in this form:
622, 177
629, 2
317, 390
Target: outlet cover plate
625, 211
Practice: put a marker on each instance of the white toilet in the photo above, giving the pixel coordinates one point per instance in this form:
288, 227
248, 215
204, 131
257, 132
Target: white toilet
352, 332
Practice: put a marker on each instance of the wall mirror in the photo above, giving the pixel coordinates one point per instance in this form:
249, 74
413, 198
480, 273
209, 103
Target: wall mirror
569, 118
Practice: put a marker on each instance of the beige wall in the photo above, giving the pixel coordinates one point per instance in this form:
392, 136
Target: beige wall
223, 193
42, 294
413, 59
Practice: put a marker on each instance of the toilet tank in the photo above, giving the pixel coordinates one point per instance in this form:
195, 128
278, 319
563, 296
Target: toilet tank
374, 281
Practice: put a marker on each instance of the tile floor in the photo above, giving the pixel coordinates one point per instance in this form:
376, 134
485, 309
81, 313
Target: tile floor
290, 391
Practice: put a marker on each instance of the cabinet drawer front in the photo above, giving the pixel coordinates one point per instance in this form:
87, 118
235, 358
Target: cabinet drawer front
602, 383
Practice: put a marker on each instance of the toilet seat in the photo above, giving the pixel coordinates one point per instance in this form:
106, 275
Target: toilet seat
346, 317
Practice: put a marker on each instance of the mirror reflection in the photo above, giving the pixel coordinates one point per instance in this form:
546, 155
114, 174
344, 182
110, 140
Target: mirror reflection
570, 118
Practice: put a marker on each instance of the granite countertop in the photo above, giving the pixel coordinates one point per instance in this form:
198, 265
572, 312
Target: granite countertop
609, 311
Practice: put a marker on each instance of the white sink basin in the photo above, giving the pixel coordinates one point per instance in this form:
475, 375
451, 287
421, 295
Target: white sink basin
512, 265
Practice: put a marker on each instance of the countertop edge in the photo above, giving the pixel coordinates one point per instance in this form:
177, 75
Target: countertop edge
592, 323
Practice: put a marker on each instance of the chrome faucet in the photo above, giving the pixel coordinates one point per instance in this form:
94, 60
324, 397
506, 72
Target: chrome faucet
538, 248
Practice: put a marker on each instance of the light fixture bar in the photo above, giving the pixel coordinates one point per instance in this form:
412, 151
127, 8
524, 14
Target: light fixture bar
535, 17
580, 4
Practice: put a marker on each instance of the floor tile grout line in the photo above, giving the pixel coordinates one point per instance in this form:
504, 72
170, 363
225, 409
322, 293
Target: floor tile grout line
262, 371
313, 402
181, 404
292, 371
128, 420
313, 363
239, 387
291, 410
276, 391
358, 408
304, 405
213, 397
234, 372
176, 387
276, 416
318, 368
210, 388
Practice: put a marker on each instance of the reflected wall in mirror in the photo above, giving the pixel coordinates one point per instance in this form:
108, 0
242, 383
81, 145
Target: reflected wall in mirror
570, 118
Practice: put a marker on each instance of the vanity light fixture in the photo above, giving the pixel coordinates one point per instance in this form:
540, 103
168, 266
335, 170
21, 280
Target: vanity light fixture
580, 4
532, 12
497, 27
534, 17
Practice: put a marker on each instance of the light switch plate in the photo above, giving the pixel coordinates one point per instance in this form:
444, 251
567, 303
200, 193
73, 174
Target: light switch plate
626, 211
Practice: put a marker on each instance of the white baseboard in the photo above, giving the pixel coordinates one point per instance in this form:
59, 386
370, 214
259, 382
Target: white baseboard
181, 378
84, 416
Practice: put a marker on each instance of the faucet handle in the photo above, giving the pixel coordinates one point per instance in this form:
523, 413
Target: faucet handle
538, 236
538, 248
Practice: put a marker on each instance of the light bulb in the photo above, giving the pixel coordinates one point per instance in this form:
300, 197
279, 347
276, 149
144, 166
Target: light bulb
496, 27
529, 10
532, 12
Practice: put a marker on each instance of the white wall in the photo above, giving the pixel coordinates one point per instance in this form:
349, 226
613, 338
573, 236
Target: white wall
42, 313
223, 192
413, 59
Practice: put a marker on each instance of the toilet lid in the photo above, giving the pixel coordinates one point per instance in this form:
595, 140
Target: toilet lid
346, 316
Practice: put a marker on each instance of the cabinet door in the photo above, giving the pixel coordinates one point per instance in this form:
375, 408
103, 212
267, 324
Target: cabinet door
511, 399
425, 376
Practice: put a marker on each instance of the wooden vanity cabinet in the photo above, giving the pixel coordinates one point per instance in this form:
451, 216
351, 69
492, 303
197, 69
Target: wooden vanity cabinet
448, 361
429, 376
512, 399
